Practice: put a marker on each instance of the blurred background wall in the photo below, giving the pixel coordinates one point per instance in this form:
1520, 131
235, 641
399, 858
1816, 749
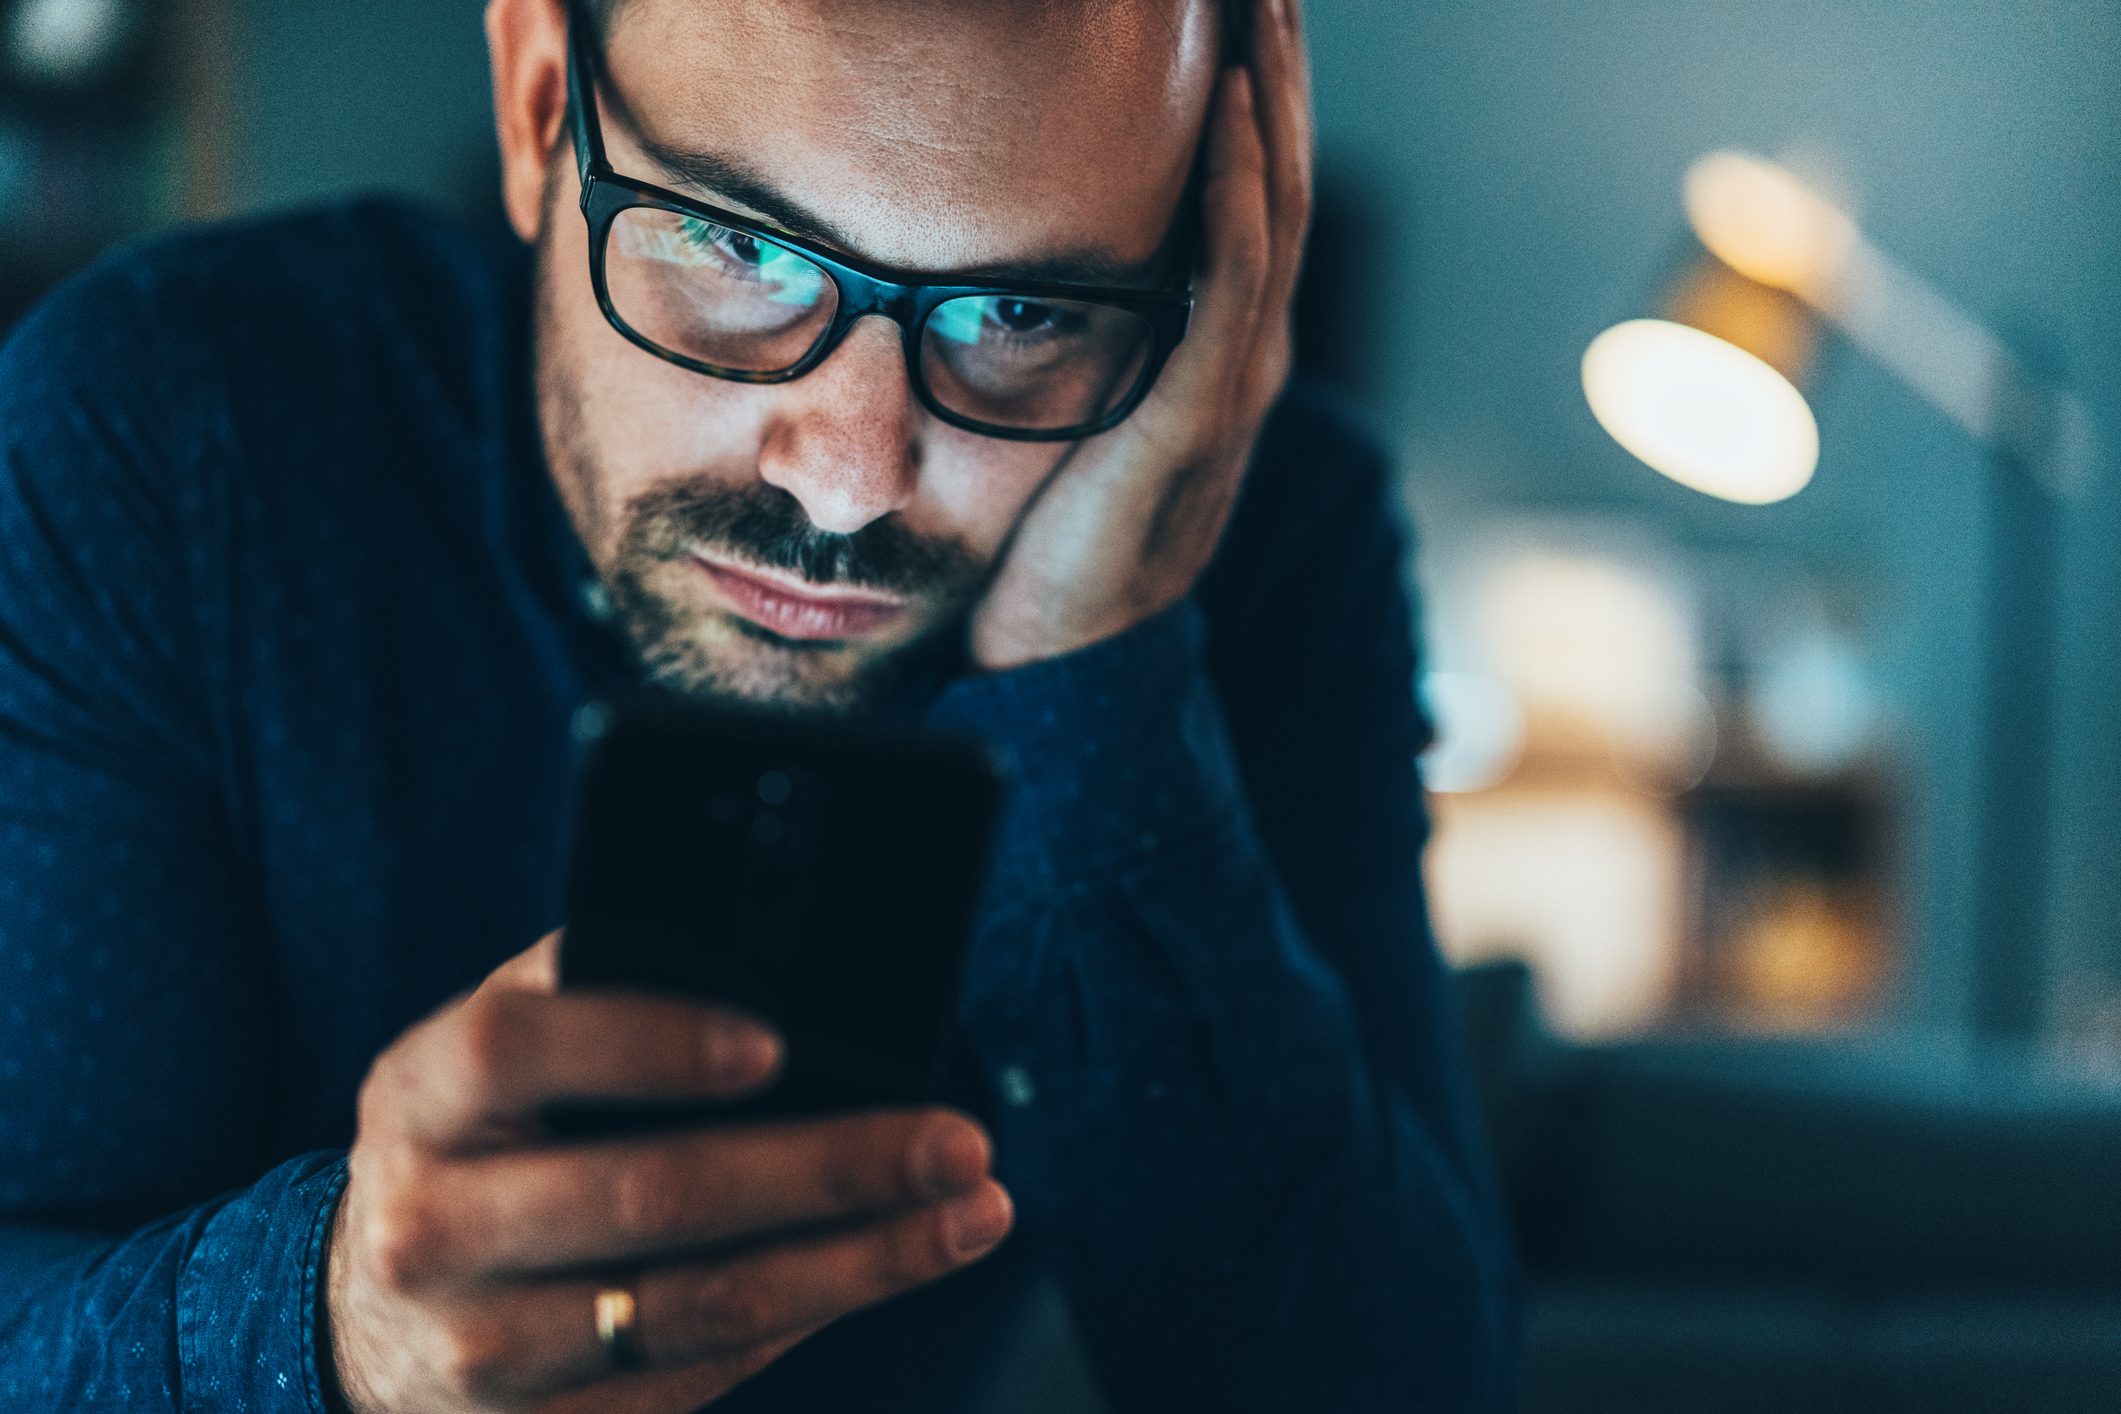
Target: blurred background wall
1716, 772
1522, 163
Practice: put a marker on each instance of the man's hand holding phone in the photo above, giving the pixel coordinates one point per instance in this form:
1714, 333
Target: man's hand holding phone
468, 1252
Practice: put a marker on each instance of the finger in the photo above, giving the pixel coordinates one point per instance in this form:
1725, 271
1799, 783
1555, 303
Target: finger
690, 1315
1236, 254
702, 1312
545, 1210
525, 1347
535, 969
490, 1065
1285, 122
1286, 136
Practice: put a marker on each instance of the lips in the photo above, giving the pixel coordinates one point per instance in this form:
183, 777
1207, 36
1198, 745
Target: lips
795, 613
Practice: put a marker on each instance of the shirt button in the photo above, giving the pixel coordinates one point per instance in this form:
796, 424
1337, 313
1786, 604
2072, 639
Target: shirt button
1016, 1085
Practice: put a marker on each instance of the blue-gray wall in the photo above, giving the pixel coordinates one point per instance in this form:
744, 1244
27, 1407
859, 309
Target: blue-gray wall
1528, 156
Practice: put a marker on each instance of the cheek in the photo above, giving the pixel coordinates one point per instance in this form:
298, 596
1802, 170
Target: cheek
634, 421
976, 488
654, 422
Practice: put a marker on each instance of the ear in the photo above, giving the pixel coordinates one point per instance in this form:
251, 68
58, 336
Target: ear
527, 42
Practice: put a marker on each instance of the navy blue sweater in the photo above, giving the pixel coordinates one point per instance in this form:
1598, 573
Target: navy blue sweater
292, 628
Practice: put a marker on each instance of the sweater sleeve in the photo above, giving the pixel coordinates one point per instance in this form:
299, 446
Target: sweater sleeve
151, 1256
1235, 1110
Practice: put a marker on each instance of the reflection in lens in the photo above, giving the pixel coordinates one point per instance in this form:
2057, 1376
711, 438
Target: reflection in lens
720, 296
1033, 364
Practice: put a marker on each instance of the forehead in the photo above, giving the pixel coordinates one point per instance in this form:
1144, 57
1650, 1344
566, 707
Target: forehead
941, 134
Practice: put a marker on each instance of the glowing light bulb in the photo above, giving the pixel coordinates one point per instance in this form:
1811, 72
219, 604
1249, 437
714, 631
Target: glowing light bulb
1757, 218
1703, 412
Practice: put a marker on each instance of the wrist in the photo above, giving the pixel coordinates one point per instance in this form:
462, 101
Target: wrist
333, 1383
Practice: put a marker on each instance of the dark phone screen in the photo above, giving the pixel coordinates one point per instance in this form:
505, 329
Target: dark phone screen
824, 877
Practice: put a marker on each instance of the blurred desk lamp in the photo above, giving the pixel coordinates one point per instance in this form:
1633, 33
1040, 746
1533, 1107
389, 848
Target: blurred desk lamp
1711, 395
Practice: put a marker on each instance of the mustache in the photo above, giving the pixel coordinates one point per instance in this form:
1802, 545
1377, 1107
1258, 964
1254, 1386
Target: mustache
767, 526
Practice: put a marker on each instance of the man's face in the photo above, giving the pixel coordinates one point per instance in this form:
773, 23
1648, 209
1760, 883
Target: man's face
929, 136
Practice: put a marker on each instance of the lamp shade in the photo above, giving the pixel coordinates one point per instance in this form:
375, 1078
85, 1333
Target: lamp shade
1705, 413
1708, 394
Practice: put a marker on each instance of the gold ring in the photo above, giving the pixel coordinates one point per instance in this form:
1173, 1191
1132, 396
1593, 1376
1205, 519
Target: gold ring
616, 1309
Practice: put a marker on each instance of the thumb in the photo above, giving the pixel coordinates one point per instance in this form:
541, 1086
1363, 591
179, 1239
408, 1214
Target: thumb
535, 969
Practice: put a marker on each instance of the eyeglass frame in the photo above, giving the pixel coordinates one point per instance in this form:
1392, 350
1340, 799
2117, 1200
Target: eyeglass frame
861, 288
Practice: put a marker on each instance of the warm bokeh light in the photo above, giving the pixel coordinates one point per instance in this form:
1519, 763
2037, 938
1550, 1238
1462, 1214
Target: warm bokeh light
1584, 883
1804, 958
1595, 650
1704, 412
1757, 218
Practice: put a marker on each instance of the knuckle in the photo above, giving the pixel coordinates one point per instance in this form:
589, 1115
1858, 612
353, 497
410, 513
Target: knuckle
1178, 447
871, 1165
377, 1099
485, 1046
1300, 210
702, 1052
472, 1360
401, 1239
918, 1251
648, 1197
849, 1185
1273, 374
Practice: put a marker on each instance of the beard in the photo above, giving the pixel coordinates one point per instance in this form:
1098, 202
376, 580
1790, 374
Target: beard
711, 655
698, 650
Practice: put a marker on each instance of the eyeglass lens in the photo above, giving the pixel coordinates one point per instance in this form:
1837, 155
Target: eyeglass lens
715, 295
742, 303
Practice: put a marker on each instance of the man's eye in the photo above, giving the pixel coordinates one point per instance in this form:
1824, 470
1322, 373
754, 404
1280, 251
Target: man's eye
725, 261
1018, 316
970, 321
719, 242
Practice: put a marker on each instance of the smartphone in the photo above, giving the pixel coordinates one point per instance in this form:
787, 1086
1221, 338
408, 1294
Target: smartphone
822, 876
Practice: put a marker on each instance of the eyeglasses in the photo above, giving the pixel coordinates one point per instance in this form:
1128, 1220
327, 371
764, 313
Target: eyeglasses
723, 295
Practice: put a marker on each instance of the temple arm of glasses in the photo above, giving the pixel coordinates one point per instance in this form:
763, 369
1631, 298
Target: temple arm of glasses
581, 99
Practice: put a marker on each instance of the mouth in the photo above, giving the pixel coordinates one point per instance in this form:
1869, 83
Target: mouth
798, 611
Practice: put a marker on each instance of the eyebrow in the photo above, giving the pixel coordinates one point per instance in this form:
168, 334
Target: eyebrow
739, 184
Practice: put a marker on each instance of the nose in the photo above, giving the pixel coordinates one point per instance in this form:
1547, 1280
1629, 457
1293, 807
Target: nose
840, 439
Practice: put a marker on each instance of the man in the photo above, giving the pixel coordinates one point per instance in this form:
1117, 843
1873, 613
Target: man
316, 532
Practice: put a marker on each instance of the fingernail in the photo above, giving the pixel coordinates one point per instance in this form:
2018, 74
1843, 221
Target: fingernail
978, 1220
748, 1054
953, 1157
1280, 9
